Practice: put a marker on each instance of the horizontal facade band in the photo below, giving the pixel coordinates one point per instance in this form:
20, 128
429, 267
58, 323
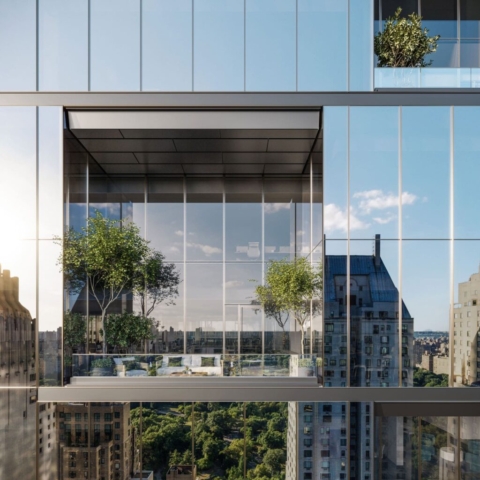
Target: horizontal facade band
240, 100
211, 120
246, 390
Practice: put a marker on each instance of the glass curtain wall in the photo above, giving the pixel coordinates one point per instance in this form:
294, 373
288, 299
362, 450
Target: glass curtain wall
456, 21
220, 234
187, 45
397, 204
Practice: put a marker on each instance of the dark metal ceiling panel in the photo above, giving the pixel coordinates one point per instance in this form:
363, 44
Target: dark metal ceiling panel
284, 169
205, 169
290, 145
265, 157
201, 157
114, 157
245, 168
96, 133
122, 168
129, 145
165, 168
267, 133
222, 145
170, 133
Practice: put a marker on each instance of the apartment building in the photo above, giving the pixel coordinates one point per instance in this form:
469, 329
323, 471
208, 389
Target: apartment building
236, 135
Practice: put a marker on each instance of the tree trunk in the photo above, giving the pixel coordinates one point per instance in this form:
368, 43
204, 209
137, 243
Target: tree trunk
104, 339
303, 340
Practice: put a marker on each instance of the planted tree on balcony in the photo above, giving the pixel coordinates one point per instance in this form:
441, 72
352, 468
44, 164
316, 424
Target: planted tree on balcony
112, 258
125, 330
404, 43
293, 288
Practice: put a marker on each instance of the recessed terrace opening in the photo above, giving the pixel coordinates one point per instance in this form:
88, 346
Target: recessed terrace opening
219, 194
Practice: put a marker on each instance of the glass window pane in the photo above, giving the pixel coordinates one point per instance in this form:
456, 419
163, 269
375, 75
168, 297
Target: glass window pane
470, 17
243, 220
63, 45
374, 199
440, 17
470, 54
271, 45
165, 217
426, 172
389, 7
18, 45
335, 171
204, 233
446, 56
115, 45
204, 300
466, 319
361, 45
50, 172
219, 45
167, 45
467, 170
374, 303
322, 45
426, 293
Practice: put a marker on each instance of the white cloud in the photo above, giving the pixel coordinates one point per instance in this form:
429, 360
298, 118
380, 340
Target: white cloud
276, 207
336, 219
174, 249
378, 200
233, 284
206, 249
385, 220
179, 233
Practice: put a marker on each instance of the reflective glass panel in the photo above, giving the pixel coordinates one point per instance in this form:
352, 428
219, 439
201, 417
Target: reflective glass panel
243, 220
426, 289
322, 24
219, 45
19, 453
271, 45
374, 198
115, 45
440, 17
374, 312
18, 45
165, 217
63, 45
467, 168
425, 172
167, 45
335, 171
466, 316
470, 17
204, 301
204, 235
361, 45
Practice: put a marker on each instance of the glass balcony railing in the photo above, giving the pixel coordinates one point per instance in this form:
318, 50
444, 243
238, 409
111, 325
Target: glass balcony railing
427, 78
194, 365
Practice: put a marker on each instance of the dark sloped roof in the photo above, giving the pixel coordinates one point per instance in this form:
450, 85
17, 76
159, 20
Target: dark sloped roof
382, 288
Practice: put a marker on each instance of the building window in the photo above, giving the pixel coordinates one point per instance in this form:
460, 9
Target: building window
307, 453
117, 424
307, 442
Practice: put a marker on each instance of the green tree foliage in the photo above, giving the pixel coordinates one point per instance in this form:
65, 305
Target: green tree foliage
74, 329
155, 282
292, 288
425, 378
124, 330
111, 257
403, 42
220, 440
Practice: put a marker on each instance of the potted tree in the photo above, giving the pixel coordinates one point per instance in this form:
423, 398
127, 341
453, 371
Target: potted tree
111, 257
293, 288
403, 42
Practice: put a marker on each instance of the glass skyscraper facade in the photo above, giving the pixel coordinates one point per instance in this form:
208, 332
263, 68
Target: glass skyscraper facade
237, 138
